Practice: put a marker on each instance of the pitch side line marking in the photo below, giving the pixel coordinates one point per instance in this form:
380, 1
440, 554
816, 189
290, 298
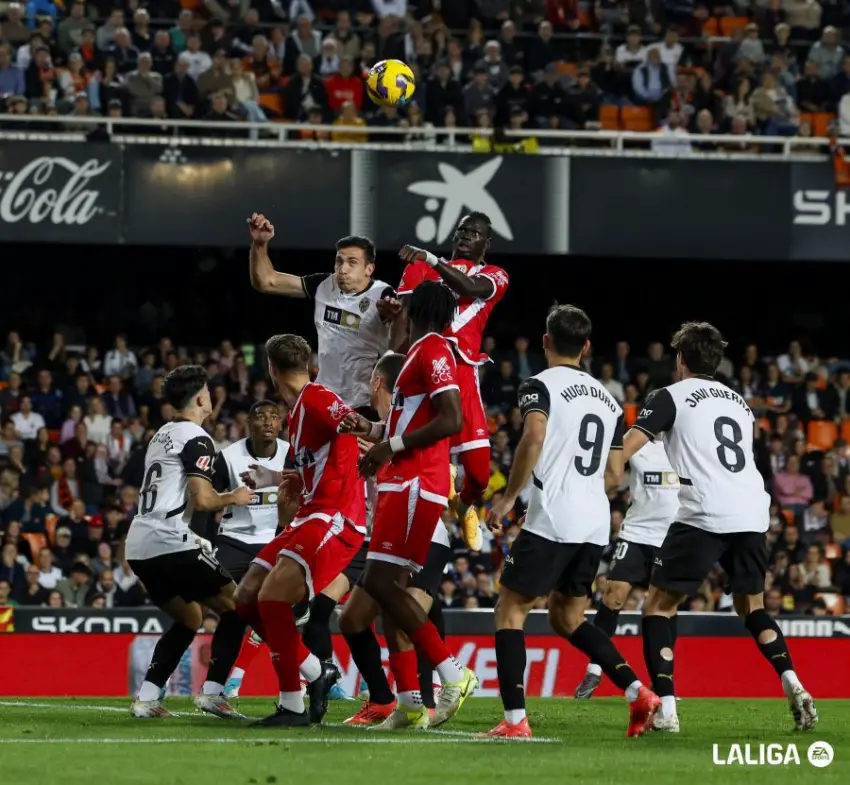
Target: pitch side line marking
284, 740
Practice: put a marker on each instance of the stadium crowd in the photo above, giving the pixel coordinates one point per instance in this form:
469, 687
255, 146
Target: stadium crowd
751, 66
74, 425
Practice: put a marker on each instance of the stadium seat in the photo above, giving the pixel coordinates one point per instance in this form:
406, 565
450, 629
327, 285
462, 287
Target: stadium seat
637, 118
764, 424
821, 434
50, 524
566, 69
789, 517
586, 20
845, 431
711, 27
36, 541
820, 123
53, 435
729, 24
273, 102
630, 413
808, 117
609, 116
4, 385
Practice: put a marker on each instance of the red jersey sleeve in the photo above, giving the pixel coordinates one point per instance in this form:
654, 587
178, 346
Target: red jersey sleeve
328, 410
438, 367
413, 275
499, 278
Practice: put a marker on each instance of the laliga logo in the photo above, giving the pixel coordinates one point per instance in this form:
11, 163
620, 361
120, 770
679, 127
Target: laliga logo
458, 191
25, 193
819, 755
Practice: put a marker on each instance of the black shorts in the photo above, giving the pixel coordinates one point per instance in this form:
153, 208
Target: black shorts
536, 566
354, 571
192, 575
236, 556
688, 554
428, 579
632, 563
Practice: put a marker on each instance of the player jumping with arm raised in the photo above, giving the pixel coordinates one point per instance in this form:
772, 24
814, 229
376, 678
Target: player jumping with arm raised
478, 287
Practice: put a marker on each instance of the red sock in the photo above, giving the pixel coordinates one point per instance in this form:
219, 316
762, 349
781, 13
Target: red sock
476, 474
251, 615
249, 650
427, 640
405, 671
282, 639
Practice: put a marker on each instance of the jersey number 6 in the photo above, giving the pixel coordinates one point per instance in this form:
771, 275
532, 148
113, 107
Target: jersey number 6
148, 493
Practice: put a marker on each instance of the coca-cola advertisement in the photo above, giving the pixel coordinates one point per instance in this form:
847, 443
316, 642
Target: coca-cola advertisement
60, 192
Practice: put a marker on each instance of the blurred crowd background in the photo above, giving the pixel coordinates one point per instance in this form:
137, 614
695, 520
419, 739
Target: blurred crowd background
75, 420
775, 67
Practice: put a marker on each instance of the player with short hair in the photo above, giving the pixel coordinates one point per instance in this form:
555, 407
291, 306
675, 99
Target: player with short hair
479, 287
244, 531
571, 450
179, 575
354, 328
654, 490
413, 484
723, 512
321, 540
361, 610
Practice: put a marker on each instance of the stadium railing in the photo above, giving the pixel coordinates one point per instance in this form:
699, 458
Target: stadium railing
277, 134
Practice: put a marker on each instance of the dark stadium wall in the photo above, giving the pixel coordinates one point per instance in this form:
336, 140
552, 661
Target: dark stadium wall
204, 295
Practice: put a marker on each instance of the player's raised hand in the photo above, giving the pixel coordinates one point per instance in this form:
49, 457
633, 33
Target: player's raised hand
498, 512
388, 309
290, 486
243, 496
373, 460
260, 228
410, 254
260, 477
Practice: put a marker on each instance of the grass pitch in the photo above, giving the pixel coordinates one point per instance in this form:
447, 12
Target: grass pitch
96, 742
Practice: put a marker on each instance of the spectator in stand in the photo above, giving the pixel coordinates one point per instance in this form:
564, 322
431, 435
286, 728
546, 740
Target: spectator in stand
75, 587
738, 104
774, 108
163, 54
305, 39
548, 102
583, 100
120, 361
143, 86
669, 51
304, 91
651, 84
217, 78
792, 489
349, 117
812, 90
26, 421
347, 41
515, 94
11, 77
346, 86
142, 36
64, 490
810, 403
827, 55
479, 95
543, 49
11, 570
97, 421
181, 93
442, 92
751, 48
182, 30
493, 65
327, 62
47, 400
198, 60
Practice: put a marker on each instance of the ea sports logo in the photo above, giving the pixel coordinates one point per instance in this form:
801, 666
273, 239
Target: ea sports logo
820, 754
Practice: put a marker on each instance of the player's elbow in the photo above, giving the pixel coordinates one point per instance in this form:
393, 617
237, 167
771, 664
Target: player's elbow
452, 422
262, 283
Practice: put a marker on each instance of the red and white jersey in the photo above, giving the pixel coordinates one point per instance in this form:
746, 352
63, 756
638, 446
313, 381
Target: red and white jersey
325, 459
430, 369
467, 329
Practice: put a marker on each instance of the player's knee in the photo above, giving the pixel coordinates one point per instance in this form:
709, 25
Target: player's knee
348, 622
509, 614
566, 614
375, 584
616, 594
660, 602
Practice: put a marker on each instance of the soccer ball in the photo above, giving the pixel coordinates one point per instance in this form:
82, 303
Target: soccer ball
390, 83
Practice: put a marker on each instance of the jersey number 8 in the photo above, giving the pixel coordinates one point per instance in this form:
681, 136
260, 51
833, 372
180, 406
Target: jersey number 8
729, 451
590, 439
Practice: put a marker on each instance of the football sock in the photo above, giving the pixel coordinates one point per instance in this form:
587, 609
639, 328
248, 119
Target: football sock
166, 657
427, 640
317, 632
668, 705
250, 614
225, 647
605, 620
775, 650
310, 666
366, 653
657, 640
601, 650
476, 474
251, 647
404, 670
510, 668
283, 640
426, 672
674, 628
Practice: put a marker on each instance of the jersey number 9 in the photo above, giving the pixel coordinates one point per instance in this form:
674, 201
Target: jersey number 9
591, 437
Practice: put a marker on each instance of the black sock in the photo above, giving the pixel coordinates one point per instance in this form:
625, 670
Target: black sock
658, 635
168, 652
601, 650
317, 630
606, 619
510, 667
366, 653
674, 628
225, 646
776, 652
426, 670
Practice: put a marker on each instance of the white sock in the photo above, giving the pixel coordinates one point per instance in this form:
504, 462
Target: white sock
668, 705
149, 691
594, 669
633, 690
435, 678
514, 716
790, 682
212, 688
311, 668
294, 701
237, 673
411, 699
450, 671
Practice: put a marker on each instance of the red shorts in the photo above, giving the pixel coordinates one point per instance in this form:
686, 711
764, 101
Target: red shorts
404, 523
323, 548
474, 435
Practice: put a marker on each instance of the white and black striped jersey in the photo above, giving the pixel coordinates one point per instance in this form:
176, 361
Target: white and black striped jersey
351, 335
709, 440
179, 450
654, 488
254, 524
568, 501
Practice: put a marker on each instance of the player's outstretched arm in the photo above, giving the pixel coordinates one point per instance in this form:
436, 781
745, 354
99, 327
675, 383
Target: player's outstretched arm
460, 283
634, 440
358, 425
206, 499
264, 278
614, 468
